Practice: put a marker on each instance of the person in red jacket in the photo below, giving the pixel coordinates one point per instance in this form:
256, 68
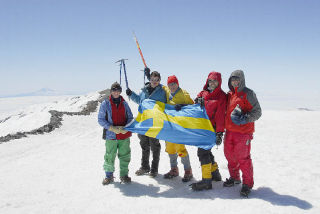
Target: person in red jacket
243, 109
214, 99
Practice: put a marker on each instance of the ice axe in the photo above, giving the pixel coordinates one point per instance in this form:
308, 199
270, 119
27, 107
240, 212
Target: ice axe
123, 65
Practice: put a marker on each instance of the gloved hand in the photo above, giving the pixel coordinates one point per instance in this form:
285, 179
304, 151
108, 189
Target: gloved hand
121, 130
219, 136
114, 129
199, 100
238, 117
178, 107
128, 92
147, 72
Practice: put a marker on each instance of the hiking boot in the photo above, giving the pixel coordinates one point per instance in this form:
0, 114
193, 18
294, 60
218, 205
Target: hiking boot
216, 175
187, 175
125, 179
204, 184
245, 190
107, 181
142, 171
231, 182
153, 173
174, 172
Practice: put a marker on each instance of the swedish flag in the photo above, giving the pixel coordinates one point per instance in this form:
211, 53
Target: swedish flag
189, 126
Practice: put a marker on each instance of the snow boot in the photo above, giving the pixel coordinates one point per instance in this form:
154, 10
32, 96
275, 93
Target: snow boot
216, 176
142, 171
125, 179
153, 173
187, 175
245, 190
174, 172
231, 182
204, 184
108, 179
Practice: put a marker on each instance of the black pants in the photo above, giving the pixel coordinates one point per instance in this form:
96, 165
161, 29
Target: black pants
146, 143
205, 156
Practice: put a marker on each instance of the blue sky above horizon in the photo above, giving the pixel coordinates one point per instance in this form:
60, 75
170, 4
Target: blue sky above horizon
71, 45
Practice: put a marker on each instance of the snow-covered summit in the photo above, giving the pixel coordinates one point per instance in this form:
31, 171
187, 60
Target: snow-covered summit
34, 116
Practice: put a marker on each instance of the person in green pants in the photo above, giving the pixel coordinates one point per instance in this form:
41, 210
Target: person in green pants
114, 114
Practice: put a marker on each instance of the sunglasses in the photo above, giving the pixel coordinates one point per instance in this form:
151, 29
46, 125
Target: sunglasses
116, 89
154, 80
172, 84
210, 80
235, 78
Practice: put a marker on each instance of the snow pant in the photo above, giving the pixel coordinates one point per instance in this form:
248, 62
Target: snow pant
174, 150
146, 143
124, 155
208, 164
237, 148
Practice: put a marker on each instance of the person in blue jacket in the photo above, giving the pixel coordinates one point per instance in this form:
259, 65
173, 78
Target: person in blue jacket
114, 114
152, 90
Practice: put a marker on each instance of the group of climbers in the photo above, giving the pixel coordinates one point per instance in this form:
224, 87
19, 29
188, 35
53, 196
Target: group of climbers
232, 115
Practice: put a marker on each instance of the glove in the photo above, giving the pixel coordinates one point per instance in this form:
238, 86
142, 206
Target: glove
147, 72
114, 129
179, 106
238, 117
128, 92
199, 100
121, 130
219, 136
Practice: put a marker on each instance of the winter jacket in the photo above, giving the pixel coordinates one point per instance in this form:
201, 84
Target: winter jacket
247, 101
106, 117
157, 94
215, 102
179, 97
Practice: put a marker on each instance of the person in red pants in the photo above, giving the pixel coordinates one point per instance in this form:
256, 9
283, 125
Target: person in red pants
243, 109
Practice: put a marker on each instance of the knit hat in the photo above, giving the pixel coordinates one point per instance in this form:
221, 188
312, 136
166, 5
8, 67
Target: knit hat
173, 79
116, 86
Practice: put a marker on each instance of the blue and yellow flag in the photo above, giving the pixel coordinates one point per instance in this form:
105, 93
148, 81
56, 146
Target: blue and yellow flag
189, 126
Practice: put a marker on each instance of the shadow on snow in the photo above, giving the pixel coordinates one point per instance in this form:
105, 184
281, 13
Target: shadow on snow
178, 189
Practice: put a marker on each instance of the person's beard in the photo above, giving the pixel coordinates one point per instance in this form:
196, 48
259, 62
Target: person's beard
211, 88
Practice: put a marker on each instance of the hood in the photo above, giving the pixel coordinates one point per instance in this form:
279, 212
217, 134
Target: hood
240, 74
213, 75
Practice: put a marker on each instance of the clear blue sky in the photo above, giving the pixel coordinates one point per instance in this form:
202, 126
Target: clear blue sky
71, 45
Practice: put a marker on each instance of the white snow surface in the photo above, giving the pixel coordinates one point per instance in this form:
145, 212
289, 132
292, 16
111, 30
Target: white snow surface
17, 116
61, 171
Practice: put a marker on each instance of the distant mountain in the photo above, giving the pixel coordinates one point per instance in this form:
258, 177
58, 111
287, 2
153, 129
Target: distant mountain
304, 109
41, 92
